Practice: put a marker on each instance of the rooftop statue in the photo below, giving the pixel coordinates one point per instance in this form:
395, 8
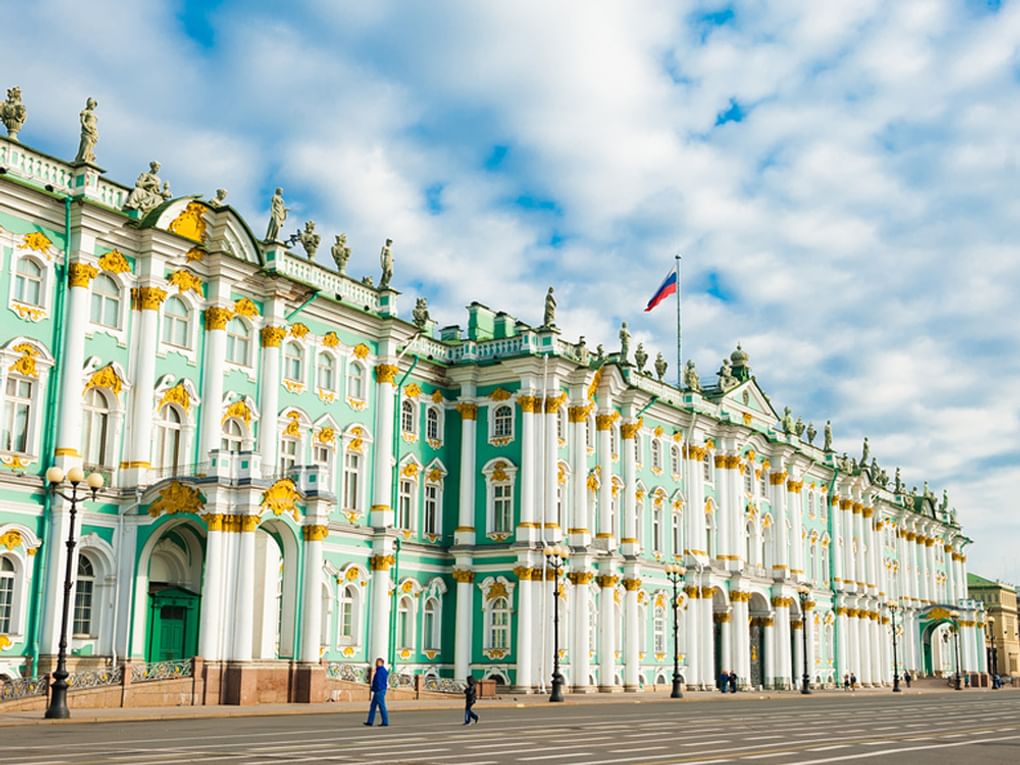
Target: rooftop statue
798, 427
149, 192
277, 216
727, 380
787, 420
386, 261
582, 351
420, 314
549, 315
660, 366
866, 451
309, 239
640, 357
13, 113
828, 436
624, 342
600, 354
691, 381
220, 200
944, 507
89, 133
811, 433
898, 482
341, 253
367, 281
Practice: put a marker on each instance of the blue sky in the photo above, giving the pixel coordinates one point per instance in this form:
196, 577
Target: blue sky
841, 178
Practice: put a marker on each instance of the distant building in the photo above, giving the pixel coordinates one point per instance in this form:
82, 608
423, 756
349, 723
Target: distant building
298, 479
1002, 637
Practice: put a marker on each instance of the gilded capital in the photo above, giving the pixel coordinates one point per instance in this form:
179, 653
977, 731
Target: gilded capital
578, 413
272, 337
216, 317
463, 575
631, 584
147, 298
581, 577
605, 421
629, 430
315, 532
386, 373
467, 410
530, 404
607, 580
81, 274
381, 562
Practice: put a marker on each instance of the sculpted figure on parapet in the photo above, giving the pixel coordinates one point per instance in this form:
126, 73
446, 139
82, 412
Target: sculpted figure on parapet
341, 253
386, 261
691, 381
149, 192
13, 113
309, 239
89, 133
277, 216
549, 316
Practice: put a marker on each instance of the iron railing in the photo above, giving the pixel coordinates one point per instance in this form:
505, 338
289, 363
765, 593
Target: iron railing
23, 688
162, 670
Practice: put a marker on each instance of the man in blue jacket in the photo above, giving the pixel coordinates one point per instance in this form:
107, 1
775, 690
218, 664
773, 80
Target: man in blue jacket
379, 684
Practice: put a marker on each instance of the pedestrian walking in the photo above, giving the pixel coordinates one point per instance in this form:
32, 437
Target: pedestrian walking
853, 682
846, 681
733, 681
380, 680
906, 677
724, 680
470, 697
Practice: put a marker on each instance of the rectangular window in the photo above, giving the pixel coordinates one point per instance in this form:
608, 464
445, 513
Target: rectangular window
431, 508
677, 544
352, 466
17, 415
83, 607
657, 531
288, 454
6, 596
749, 480
707, 467
502, 508
404, 501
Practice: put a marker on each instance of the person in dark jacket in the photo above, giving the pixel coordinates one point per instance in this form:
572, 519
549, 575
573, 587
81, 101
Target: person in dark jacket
733, 681
906, 677
470, 697
724, 679
380, 678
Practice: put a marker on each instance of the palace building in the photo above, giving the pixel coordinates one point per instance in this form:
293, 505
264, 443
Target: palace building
298, 477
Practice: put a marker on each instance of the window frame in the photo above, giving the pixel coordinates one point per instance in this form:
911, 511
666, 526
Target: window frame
231, 341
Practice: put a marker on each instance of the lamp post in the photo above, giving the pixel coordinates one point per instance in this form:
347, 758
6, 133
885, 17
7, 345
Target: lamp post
803, 592
57, 710
674, 573
993, 662
956, 643
892, 606
556, 557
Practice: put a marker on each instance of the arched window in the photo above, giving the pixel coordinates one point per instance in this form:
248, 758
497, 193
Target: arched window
7, 583
176, 323
766, 543
347, 615
639, 520
813, 571
708, 468
614, 436
290, 453
811, 504
325, 372
499, 623
293, 362
408, 420
105, 302
749, 479
589, 433
503, 422
657, 542
233, 436
28, 282
432, 424
709, 533
356, 381
430, 625
656, 454
561, 425
825, 566
674, 459
238, 342
167, 442
659, 629
95, 428
352, 478
405, 625
749, 543
678, 548
83, 597
763, 484
18, 403
637, 448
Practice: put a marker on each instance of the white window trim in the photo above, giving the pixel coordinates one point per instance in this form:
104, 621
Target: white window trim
489, 471
485, 586
43, 365
328, 394
248, 366
356, 610
45, 288
358, 404
435, 443
502, 440
411, 436
194, 319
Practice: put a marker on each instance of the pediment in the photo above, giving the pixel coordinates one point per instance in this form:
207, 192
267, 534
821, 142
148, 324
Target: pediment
212, 229
748, 399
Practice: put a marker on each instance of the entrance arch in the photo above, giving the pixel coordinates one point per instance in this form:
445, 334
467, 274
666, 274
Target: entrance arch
760, 616
276, 591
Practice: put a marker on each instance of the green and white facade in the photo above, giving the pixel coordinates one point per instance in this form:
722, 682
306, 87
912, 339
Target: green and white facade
296, 475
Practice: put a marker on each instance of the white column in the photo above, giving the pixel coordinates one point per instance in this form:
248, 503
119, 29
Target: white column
581, 526
145, 312
797, 657
773, 679
783, 658
607, 630
629, 542
691, 623
777, 484
527, 634
271, 337
526, 528
842, 643
726, 510
694, 513
211, 428
211, 627
580, 662
631, 632
707, 625
603, 433
379, 629
80, 276
793, 508
741, 638
311, 609
241, 648
555, 527
838, 544
382, 503
864, 671
726, 634
465, 578
465, 532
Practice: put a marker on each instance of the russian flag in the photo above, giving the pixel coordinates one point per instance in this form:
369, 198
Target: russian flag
667, 288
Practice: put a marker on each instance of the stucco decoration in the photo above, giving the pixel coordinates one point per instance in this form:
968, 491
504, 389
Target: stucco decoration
114, 262
282, 497
330, 339
106, 377
178, 395
660, 366
149, 191
309, 239
246, 308
184, 280
190, 222
240, 410
177, 497
37, 241
25, 364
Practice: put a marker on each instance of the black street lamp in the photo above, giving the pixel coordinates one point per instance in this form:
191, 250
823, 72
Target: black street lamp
992, 653
674, 574
556, 557
57, 709
804, 593
956, 642
892, 606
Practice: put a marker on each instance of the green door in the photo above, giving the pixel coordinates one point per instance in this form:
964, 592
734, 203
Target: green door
173, 625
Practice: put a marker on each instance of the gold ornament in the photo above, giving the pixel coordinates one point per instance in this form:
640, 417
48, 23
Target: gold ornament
216, 317
240, 410
25, 365
245, 307
184, 280
147, 298
36, 240
177, 498
190, 223
106, 377
81, 274
281, 497
176, 395
272, 337
114, 262
299, 330
330, 339
361, 351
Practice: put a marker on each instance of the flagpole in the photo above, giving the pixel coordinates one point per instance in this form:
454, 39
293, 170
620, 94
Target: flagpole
679, 328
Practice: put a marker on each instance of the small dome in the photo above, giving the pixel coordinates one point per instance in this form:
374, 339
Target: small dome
739, 357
